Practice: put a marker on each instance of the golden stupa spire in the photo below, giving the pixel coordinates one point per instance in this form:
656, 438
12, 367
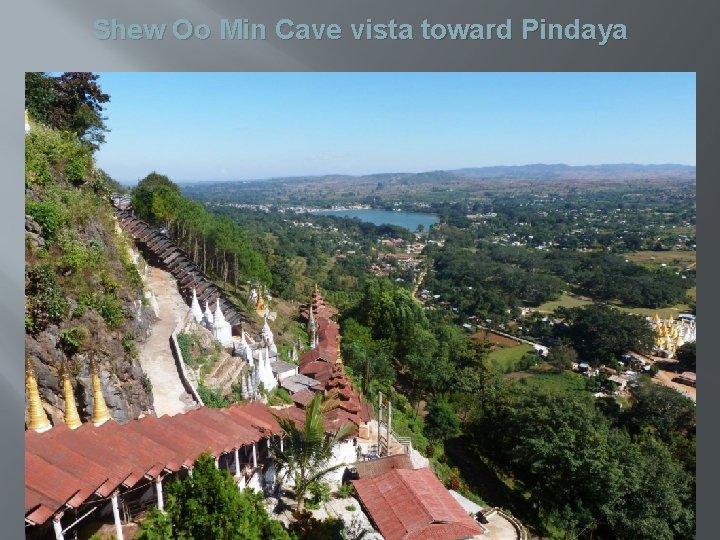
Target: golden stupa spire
37, 417
72, 418
100, 414
260, 304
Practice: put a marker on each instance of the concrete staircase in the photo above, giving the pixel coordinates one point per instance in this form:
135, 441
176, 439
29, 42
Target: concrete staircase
224, 373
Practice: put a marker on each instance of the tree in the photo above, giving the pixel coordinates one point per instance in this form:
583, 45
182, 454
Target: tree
664, 410
209, 505
686, 355
598, 332
165, 205
369, 360
143, 194
307, 451
78, 107
561, 356
39, 96
441, 422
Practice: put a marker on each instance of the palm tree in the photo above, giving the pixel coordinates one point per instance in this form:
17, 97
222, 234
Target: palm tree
307, 450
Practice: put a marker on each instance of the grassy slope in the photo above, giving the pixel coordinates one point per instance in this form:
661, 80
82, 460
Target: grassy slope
505, 358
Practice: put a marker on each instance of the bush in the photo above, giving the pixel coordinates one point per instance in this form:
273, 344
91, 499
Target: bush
454, 482
46, 302
49, 215
185, 342
76, 168
78, 255
306, 527
48, 150
111, 310
279, 396
212, 398
71, 339
346, 490
320, 492
128, 343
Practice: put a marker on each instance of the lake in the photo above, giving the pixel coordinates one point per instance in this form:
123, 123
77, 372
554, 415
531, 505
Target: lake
409, 220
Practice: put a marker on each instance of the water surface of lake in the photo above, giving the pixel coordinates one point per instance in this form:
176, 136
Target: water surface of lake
409, 220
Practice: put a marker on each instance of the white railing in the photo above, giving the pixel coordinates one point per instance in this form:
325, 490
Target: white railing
519, 528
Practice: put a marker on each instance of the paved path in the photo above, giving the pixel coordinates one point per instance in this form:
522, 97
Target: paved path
155, 357
500, 528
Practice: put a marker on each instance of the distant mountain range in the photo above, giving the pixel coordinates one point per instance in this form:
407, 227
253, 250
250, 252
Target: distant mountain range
560, 171
537, 172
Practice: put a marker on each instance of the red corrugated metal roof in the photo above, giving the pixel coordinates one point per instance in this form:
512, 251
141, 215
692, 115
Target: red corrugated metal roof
65, 467
303, 397
412, 504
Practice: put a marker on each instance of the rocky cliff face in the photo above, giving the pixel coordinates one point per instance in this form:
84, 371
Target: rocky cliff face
125, 387
83, 293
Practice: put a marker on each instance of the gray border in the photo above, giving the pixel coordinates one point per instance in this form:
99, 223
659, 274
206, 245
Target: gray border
47, 34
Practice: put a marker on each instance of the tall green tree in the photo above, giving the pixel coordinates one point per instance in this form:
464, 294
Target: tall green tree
600, 333
441, 422
39, 96
661, 409
686, 355
307, 451
143, 194
562, 356
78, 106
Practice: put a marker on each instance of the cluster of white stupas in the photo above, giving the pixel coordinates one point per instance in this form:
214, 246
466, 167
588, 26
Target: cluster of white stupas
671, 334
214, 322
258, 353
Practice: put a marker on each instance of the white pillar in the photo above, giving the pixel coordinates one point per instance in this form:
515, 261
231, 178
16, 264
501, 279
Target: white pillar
268, 443
57, 526
190, 473
281, 443
158, 487
254, 456
217, 462
116, 515
389, 423
237, 464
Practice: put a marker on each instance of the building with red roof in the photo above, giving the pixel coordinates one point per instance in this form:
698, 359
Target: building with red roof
412, 504
101, 469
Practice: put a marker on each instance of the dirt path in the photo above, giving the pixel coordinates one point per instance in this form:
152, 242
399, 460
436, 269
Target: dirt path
155, 356
665, 378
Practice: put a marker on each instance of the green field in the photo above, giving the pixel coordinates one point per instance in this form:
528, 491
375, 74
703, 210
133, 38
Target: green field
555, 382
569, 301
565, 300
678, 260
505, 358
663, 313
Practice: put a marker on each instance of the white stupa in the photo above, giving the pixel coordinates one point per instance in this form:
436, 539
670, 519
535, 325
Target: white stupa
264, 371
221, 328
208, 317
267, 334
195, 309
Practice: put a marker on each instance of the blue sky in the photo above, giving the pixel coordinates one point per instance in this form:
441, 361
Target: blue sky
228, 126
